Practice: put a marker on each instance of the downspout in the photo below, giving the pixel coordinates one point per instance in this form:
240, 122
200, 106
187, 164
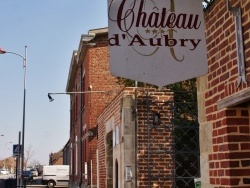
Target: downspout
136, 141
80, 183
71, 146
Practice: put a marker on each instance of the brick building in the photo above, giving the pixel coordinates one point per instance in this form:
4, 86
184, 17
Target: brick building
89, 74
223, 111
66, 153
9, 163
224, 98
56, 158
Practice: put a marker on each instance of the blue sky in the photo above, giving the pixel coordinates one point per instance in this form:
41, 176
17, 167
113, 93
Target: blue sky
51, 29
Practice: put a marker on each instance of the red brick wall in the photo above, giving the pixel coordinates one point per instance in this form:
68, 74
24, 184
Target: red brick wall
114, 110
158, 162
229, 161
99, 77
95, 63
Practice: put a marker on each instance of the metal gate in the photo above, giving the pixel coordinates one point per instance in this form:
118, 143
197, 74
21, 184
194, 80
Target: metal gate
168, 139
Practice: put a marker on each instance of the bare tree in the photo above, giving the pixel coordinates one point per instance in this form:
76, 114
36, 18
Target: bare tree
29, 153
35, 162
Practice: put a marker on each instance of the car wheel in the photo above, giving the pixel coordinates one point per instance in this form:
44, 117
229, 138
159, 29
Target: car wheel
51, 184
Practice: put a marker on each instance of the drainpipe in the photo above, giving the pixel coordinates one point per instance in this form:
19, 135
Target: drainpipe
136, 141
80, 183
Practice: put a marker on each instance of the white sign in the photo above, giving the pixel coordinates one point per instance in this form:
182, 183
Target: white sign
128, 173
157, 41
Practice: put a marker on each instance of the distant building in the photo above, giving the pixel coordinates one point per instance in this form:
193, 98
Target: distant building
56, 158
10, 164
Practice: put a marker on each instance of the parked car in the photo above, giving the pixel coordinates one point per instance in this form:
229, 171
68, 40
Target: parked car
4, 172
27, 175
34, 172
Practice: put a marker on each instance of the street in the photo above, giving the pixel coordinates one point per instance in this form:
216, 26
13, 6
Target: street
36, 182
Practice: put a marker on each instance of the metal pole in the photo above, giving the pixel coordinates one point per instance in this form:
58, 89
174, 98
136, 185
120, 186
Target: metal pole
18, 160
24, 102
16, 171
23, 127
4, 146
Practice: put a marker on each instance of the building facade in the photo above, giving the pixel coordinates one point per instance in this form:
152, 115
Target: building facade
223, 96
103, 150
89, 74
66, 153
116, 146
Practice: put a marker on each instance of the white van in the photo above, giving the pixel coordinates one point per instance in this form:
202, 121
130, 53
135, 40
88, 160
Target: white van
55, 175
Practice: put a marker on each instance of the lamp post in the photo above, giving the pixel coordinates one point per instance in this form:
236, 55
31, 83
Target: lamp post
2, 135
24, 102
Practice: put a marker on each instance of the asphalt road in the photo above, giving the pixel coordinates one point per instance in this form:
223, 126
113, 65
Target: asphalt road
37, 181
42, 186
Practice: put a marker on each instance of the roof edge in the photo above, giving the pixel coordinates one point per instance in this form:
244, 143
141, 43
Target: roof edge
85, 42
73, 63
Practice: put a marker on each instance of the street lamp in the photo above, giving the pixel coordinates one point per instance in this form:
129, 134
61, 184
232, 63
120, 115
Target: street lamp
90, 132
68, 93
24, 102
2, 135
